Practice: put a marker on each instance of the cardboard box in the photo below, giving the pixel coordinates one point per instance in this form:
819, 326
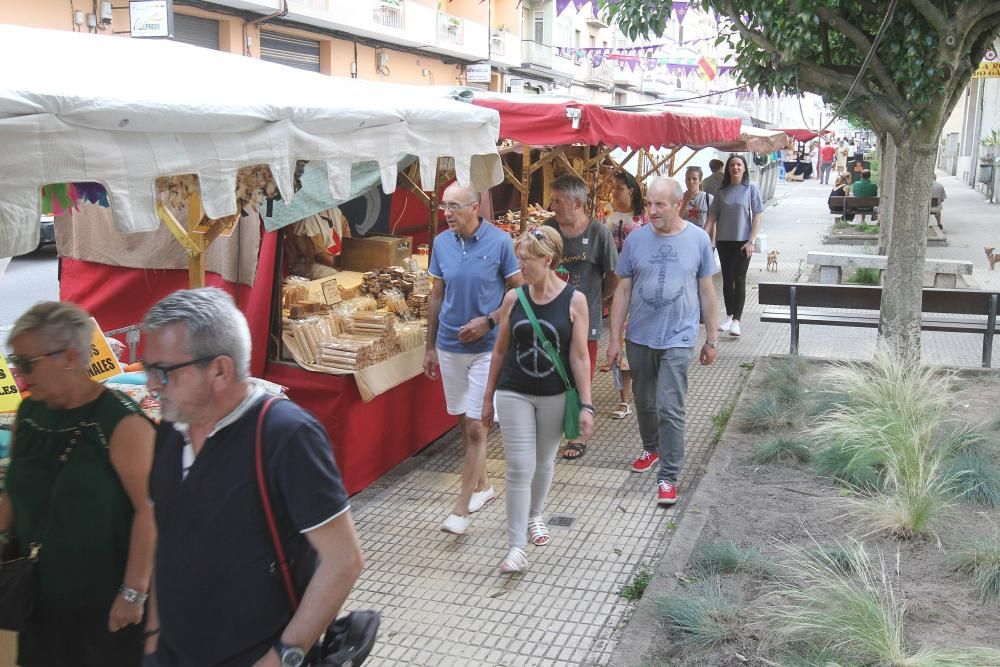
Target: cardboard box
375, 252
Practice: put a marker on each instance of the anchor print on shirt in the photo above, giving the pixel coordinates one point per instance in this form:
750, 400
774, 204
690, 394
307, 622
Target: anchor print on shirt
531, 359
657, 299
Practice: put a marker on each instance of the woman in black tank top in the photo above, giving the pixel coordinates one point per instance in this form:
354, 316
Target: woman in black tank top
530, 394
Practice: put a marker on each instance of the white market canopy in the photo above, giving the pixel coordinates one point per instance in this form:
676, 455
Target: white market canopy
81, 107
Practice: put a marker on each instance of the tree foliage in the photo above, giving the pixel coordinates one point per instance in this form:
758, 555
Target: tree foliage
914, 78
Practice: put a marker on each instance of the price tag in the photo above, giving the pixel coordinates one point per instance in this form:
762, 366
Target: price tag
331, 292
103, 362
10, 397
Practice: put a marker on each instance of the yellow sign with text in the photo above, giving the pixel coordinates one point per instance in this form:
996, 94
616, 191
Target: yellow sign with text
10, 397
987, 70
103, 362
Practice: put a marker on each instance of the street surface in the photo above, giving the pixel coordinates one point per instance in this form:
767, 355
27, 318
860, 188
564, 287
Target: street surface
29, 279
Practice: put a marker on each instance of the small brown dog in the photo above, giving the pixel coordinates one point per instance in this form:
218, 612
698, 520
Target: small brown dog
991, 257
772, 260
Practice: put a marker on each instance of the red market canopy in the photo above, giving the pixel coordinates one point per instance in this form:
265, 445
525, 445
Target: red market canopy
551, 123
800, 134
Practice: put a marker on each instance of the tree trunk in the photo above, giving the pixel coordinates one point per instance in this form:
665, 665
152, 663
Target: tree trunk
899, 322
888, 163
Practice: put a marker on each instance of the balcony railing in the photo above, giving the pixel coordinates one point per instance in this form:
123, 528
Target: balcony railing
602, 74
388, 15
535, 53
451, 29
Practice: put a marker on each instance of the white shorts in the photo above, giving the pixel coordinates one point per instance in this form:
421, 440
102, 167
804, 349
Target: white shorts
464, 377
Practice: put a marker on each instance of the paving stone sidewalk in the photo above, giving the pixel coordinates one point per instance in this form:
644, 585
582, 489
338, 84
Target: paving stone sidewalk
441, 596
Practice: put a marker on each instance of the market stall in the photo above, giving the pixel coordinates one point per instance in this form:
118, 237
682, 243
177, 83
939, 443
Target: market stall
201, 159
548, 135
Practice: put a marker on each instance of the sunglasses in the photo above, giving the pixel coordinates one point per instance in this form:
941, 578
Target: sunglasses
537, 233
24, 365
161, 373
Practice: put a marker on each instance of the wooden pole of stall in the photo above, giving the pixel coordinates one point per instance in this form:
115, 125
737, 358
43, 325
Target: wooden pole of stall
526, 181
197, 235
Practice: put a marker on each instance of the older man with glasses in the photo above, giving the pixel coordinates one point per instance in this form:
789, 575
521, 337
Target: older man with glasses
216, 597
472, 266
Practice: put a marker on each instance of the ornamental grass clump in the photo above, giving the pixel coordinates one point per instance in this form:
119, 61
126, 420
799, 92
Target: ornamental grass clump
980, 561
885, 442
848, 615
780, 397
974, 476
781, 450
716, 558
702, 615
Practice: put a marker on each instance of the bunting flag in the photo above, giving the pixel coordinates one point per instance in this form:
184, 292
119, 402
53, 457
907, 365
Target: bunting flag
706, 68
680, 9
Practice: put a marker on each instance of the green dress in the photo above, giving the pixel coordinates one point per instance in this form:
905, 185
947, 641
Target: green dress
86, 540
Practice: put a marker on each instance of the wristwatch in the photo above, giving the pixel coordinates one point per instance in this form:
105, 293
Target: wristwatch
714, 344
491, 321
133, 596
291, 656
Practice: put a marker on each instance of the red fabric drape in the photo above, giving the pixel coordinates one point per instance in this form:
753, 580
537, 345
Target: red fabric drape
546, 124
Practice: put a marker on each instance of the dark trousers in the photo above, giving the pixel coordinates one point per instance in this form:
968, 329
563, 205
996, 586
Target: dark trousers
78, 638
734, 276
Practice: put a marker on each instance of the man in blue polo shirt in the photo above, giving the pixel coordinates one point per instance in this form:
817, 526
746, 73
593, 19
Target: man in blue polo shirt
473, 265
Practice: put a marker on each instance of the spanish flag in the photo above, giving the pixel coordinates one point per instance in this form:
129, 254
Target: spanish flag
706, 68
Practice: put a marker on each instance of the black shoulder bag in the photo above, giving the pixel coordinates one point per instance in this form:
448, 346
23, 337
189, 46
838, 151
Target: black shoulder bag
17, 573
348, 640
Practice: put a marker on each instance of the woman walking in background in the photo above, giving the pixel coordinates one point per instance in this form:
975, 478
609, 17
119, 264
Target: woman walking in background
529, 389
626, 215
733, 223
77, 486
695, 205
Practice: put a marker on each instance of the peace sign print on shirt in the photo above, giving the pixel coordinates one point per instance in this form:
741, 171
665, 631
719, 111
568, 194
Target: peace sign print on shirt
531, 358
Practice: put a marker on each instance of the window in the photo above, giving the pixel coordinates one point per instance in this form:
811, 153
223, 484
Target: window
578, 39
540, 27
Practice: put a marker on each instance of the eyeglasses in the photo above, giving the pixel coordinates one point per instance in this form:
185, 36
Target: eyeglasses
160, 373
451, 208
24, 365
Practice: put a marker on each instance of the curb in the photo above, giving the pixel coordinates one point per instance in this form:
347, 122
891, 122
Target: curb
643, 626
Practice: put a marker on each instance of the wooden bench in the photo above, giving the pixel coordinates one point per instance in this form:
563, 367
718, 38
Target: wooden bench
844, 206
937, 272
808, 303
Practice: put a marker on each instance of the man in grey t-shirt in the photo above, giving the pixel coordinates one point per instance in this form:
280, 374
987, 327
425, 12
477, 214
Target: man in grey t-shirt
665, 271
589, 259
713, 182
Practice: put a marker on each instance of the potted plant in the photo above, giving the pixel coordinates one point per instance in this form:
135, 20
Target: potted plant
391, 3
989, 145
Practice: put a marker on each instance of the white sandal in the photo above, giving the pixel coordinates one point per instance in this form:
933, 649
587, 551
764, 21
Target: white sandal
515, 561
538, 532
622, 413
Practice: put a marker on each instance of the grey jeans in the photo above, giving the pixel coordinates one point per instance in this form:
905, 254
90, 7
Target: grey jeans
531, 427
659, 384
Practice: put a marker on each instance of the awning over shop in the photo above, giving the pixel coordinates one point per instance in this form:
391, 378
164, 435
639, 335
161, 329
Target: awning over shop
801, 134
169, 108
557, 122
752, 139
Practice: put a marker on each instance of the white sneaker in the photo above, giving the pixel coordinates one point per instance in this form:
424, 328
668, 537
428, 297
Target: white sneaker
734, 330
727, 325
455, 524
480, 498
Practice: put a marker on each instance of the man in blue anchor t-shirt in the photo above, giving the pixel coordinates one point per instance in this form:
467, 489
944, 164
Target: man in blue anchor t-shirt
665, 285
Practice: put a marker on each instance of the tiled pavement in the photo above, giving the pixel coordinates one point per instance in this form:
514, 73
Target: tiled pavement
442, 599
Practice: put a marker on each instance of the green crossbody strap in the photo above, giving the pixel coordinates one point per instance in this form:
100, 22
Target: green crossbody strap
546, 344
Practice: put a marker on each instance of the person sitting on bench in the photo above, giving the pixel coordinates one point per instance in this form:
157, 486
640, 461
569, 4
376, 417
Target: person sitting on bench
843, 189
865, 188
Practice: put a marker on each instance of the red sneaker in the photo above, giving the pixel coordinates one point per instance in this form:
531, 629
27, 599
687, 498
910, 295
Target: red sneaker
645, 461
667, 494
